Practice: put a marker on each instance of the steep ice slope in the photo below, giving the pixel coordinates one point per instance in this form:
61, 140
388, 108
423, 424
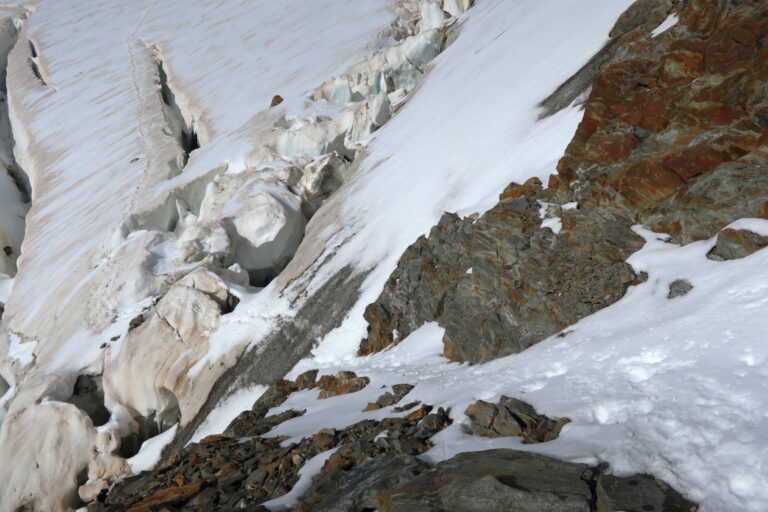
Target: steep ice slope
87, 86
92, 139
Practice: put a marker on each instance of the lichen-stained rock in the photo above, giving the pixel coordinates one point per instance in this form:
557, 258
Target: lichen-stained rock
387, 399
340, 384
512, 417
678, 288
675, 126
242, 472
733, 244
501, 283
359, 488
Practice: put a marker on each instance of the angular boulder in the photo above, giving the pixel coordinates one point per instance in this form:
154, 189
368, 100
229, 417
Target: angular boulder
512, 417
733, 244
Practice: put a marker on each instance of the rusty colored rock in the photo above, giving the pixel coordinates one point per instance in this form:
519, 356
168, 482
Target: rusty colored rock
340, 384
276, 100
733, 244
307, 380
167, 496
673, 136
512, 417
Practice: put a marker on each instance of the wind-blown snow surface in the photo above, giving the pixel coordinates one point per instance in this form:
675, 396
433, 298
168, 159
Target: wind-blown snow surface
470, 129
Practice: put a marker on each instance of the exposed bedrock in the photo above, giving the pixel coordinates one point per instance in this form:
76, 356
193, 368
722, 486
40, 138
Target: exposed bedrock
501, 480
673, 137
733, 244
501, 283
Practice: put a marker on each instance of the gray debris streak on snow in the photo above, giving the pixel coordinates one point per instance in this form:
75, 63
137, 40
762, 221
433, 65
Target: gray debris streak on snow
275, 356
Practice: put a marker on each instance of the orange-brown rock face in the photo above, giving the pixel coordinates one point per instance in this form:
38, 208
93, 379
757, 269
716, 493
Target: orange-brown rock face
676, 125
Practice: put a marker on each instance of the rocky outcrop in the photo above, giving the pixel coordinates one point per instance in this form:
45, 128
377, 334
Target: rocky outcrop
373, 468
256, 422
371, 465
502, 282
641, 493
242, 469
513, 417
493, 481
673, 137
502, 480
674, 130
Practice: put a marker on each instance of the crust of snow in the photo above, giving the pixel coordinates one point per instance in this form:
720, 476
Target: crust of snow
665, 25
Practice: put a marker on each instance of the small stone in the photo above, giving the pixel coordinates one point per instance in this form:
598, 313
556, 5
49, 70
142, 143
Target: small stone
169, 495
255, 479
276, 100
401, 390
136, 321
678, 288
306, 380
481, 414
419, 413
406, 407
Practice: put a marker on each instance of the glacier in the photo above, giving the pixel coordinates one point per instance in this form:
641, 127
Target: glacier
200, 200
